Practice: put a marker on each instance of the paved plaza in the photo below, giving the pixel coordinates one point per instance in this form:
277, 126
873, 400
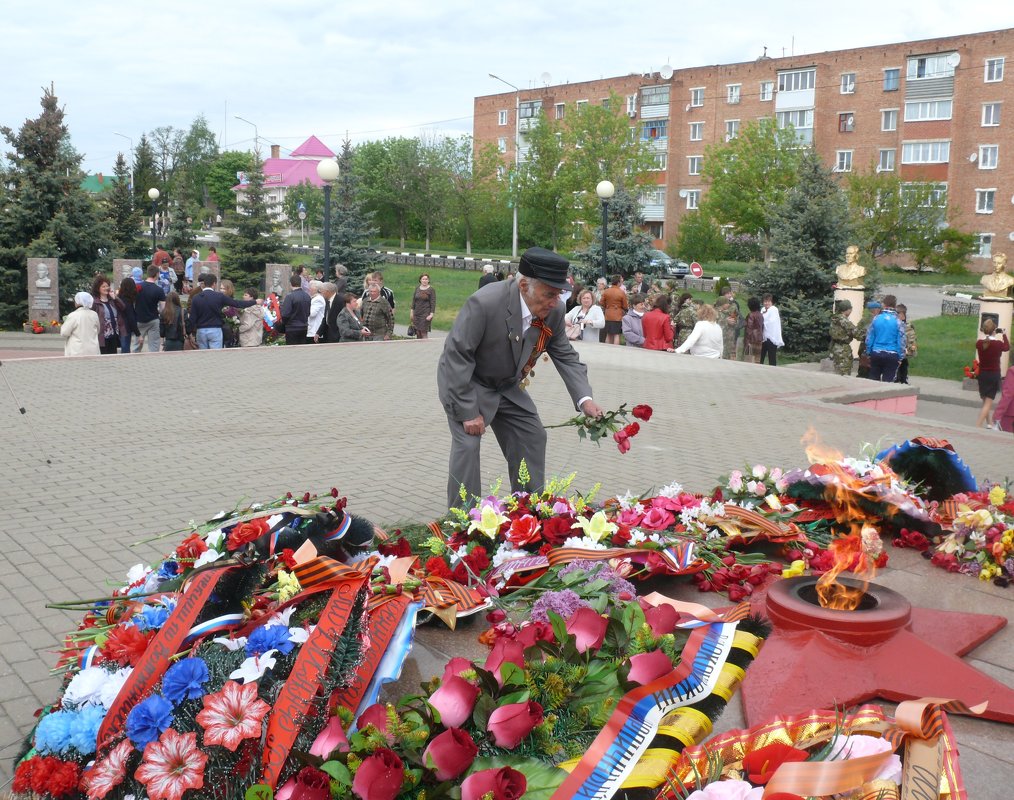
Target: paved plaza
127, 447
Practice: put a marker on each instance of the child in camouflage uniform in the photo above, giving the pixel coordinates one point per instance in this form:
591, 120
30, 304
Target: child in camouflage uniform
843, 331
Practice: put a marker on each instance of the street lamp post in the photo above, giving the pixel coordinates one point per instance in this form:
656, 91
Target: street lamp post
124, 136
517, 158
327, 171
257, 147
153, 194
605, 190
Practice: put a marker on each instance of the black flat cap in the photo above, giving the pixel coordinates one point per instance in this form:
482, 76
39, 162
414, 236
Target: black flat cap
546, 266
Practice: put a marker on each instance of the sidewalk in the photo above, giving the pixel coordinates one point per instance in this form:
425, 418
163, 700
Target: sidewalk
141, 445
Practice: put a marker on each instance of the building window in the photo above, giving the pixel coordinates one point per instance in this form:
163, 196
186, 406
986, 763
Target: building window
889, 119
989, 154
693, 198
892, 78
732, 92
985, 245
928, 109
940, 65
631, 105
844, 161
501, 172
501, 145
654, 229
655, 95
925, 152
529, 109
767, 91
697, 97
653, 197
985, 201
848, 83
605, 102
654, 129
560, 109
796, 80
694, 165
501, 117
886, 163
581, 104
936, 197
801, 121
846, 122
990, 114
994, 70
731, 129
659, 162
696, 131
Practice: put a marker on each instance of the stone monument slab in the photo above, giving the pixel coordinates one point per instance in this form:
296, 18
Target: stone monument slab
276, 279
204, 267
123, 268
44, 291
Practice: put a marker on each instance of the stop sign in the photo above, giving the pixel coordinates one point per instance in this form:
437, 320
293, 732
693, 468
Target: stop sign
696, 269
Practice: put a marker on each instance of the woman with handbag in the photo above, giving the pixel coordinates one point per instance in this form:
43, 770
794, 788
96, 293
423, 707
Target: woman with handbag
586, 319
171, 326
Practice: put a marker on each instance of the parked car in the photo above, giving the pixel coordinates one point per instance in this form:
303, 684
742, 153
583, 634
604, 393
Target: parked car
660, 263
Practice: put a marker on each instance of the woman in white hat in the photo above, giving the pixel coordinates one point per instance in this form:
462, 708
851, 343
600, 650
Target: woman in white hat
81, 328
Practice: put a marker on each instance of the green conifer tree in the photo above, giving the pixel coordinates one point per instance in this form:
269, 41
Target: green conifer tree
123, 218
255, 242
351, 225
628, 246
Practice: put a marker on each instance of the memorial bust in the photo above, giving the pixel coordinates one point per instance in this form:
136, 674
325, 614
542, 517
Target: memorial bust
42, 280
276, 283
997, 283
850, 274
205, 269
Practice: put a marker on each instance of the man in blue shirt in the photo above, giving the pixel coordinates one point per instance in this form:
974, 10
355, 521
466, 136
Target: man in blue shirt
206, 313
885, 342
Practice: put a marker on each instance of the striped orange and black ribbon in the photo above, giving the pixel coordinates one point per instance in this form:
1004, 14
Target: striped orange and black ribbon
924, 718
323, 570
544, 333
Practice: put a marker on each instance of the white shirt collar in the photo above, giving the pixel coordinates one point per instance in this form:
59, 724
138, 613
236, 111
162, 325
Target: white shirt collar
526, 314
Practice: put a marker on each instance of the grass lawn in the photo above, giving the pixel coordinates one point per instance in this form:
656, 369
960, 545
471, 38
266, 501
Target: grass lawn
453, 287
946, 347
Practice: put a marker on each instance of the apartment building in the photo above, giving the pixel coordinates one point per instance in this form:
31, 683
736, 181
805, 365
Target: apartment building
930, 111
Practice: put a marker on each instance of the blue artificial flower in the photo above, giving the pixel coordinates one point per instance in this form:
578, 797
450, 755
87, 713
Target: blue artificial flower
148, 719
274, 638
168, 571
53, 733
151, 618
185, 680
85, 729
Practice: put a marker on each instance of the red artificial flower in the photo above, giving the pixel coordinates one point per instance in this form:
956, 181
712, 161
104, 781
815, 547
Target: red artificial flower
126, 644
108, 773
646, 667
739, 592
331, 738
504, 651
246, 532
509, 724
438, 568
495, 784
61, 777
761, 764
622, 536
375, 715
380, 776
232, 714
556, 530
478, 560
456, 666
288, 557
450, 753
657, 519
588, 627
171, 766
523, 530
632, 429
191, 548
311, 784
534, 632
661, 619
454, 700
399, 548
642, 412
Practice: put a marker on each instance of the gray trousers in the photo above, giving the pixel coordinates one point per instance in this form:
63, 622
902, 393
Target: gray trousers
149, 331
520, 435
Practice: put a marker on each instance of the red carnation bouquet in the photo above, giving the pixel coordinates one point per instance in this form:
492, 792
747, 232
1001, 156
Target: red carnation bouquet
615, 423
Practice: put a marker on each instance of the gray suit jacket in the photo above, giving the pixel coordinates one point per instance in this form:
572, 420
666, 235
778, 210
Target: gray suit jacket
485, 353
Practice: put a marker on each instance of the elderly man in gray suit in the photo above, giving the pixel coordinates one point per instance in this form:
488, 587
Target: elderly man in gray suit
497, 338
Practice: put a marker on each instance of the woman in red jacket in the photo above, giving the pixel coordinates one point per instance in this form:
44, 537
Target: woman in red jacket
989, 349
657, 327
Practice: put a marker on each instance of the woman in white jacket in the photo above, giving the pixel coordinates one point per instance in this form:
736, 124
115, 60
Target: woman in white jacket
705, 339
81, 328
587, 316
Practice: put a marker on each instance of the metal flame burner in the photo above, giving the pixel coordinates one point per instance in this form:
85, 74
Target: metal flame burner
792, 604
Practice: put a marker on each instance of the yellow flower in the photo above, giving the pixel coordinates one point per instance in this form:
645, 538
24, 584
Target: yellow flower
773, 502
489, 522
997, 496
288, 586
794, 569
597, 528
976, 520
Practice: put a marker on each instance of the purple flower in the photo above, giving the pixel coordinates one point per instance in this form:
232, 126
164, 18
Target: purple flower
597, 570
564, 603
185, 680
492, 502
274, 638
1008, 566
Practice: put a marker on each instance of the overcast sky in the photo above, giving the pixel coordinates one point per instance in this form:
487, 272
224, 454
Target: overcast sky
400, 67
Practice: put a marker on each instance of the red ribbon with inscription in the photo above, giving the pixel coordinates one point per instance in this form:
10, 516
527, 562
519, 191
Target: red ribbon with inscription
155, 661
304, 681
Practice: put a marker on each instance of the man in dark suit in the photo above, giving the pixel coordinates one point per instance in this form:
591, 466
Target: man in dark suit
332, 305
487, 276
640, 285
497, 338
295, 311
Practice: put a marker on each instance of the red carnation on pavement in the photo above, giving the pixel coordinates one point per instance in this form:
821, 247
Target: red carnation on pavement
642, 412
